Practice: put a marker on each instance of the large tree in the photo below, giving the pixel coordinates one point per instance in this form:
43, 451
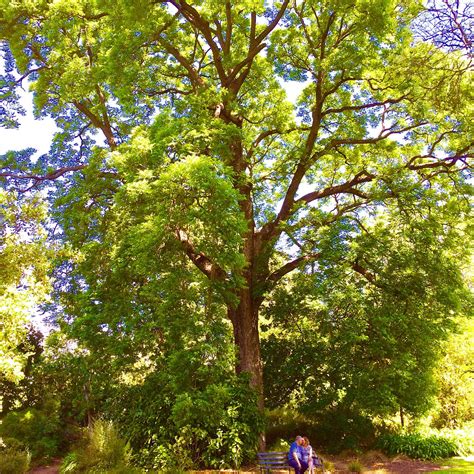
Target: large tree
241, 181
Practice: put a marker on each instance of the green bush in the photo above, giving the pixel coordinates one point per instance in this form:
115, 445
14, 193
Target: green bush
38, 429
13, 458
419, 446
213, 426
103, 450
463, 438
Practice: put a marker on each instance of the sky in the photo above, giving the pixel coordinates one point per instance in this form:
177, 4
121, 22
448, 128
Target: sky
31, 133
38, 134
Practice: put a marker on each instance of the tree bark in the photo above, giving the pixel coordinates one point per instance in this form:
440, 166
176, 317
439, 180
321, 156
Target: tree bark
244, 319
246, 337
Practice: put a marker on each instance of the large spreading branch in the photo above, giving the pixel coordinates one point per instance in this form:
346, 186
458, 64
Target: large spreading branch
212, 270
37, 179
349, 187
288, 267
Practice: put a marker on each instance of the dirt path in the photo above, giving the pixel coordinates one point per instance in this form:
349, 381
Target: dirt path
394, 466
52, 468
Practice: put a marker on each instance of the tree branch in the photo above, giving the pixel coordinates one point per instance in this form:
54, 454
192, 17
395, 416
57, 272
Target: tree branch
98, 123
195, 78
37, 179
345, 188
194, 18
370, 277
290, 266
363, 106
201, 261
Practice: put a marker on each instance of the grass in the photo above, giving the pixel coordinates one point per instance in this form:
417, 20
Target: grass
457, 465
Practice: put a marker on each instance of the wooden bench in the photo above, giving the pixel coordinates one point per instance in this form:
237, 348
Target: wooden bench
278, 460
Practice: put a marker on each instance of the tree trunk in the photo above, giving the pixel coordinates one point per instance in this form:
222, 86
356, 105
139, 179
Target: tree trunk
246, 337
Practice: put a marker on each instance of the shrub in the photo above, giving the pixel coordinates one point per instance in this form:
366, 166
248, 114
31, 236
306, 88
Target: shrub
355, 466
103, 451
38, 429
283, 425
332, 431
13, 458
418, 446
214, 426
70, 464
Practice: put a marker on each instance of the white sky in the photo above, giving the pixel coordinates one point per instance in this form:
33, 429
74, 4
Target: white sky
31, 133
38, 133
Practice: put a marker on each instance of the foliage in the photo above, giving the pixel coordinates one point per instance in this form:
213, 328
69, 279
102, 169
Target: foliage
283, 424
13, 458
23, 277
39, 430
10, 107
103, 450
280, 445
13, 461
216, 425
462, 437
22, 394
420, 446
329, 466
365, 346
456, 380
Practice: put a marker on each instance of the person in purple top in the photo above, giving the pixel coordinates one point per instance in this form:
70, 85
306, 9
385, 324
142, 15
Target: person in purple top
295, 456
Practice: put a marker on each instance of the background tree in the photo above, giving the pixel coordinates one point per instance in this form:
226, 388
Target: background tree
363, 344
456, 379
20, 394
23, 278
231, 175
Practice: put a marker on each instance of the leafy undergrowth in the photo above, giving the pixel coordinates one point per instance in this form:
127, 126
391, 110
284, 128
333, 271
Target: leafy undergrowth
430, 445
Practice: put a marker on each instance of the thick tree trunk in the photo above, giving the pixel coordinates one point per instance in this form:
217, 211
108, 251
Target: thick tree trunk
246, 337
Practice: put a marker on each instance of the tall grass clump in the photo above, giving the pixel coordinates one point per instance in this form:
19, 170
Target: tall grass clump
328, 467
355, 466
14, 459
102, 450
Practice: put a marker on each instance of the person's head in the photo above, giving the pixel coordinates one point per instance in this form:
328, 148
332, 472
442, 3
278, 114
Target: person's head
299, 440
305, 441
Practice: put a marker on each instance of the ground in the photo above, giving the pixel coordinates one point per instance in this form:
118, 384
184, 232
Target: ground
373, 464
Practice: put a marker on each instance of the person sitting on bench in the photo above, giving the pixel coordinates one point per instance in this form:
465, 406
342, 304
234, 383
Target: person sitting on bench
308, 454
296, 456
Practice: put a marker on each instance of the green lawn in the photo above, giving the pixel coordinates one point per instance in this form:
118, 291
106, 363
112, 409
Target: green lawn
457, 465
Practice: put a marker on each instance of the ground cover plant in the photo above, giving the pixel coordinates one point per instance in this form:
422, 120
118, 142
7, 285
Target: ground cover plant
433, 445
